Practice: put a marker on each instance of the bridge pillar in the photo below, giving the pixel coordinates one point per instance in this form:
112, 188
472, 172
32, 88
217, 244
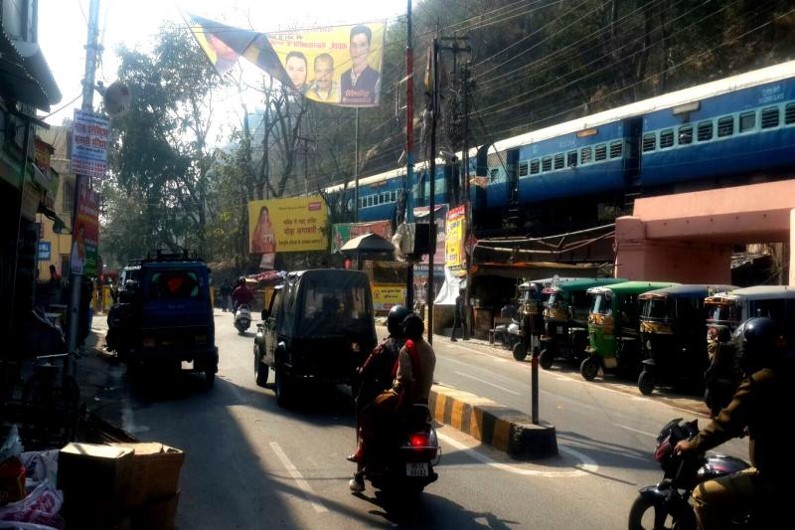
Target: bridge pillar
640, 258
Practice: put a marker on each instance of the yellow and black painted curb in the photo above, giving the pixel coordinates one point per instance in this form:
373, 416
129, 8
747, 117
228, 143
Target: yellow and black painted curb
493, 424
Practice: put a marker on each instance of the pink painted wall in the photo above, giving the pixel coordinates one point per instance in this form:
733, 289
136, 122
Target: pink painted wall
687, 237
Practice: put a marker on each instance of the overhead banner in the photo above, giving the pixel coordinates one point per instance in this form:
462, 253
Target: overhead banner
296, 224
90, 137
337, 65
341, 233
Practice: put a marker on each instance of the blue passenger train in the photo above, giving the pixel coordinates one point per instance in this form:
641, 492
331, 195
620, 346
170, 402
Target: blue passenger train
720, 133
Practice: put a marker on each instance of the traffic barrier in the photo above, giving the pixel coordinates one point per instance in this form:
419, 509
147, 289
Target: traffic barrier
502, 428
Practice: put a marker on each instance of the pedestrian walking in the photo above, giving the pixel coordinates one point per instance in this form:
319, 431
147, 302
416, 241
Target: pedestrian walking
459, 318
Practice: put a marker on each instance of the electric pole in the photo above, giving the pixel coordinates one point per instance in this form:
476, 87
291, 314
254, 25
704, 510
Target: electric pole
82, 181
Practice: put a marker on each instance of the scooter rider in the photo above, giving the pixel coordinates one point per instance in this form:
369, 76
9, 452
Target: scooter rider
241, 295
756, 410
411, 385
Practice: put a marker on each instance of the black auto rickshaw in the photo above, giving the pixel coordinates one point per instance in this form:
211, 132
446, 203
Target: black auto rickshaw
566, 319
531, 300
672, 336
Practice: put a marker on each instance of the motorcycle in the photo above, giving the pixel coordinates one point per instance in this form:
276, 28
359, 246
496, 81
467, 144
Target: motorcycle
666, 504
242, 318
404, 462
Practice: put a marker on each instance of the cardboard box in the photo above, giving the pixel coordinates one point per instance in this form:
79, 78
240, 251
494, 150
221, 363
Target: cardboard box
95, 479
97, 471
155, 472
158, 514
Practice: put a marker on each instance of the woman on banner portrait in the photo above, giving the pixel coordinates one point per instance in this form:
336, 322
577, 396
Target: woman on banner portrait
263, 240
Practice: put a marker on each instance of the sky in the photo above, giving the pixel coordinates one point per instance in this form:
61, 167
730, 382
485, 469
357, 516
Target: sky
63, 30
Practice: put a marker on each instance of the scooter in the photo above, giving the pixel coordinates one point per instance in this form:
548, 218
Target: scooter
665, 505
405, 463
242, 318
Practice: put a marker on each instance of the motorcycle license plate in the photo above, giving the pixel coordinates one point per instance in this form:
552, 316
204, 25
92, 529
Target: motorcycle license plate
416, 469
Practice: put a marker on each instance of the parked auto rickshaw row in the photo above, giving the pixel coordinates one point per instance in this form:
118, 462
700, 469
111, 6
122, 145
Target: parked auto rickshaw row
653, 332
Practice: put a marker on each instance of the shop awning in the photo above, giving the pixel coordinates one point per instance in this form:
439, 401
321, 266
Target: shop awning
25, 75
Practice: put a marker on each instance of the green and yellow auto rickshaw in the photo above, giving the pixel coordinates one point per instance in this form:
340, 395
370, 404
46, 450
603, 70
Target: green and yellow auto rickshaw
613, 334
566, 319
531, 299
672, 336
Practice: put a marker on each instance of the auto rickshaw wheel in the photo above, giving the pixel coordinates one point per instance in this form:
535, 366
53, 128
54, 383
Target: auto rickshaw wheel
519, 351
589, 368
646, 383
546, 358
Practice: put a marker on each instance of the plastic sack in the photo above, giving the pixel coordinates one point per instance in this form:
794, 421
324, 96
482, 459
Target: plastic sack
42, 506
41, 465
12, 446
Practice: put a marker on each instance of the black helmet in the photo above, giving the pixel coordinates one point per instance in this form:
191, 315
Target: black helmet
395, 318
413, 326
756, 343
241, 280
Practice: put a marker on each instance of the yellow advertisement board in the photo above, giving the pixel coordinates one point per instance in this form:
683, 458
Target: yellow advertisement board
296, 224
454, 240
385, 296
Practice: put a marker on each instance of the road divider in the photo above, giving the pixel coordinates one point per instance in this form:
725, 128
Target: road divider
493, 424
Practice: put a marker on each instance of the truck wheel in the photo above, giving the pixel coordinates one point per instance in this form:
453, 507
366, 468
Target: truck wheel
260, 369
546, 358
209, 378
519, 351
589, 368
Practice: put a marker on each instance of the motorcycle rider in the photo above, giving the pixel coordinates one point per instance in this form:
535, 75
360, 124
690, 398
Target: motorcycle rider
411, 385
241, 295
377, 372
755, 409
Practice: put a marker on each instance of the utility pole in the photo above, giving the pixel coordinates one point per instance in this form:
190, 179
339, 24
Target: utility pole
83, 181
409, 183
356, 205
432, 201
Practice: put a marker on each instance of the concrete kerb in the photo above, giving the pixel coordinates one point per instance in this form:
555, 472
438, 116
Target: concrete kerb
504, 429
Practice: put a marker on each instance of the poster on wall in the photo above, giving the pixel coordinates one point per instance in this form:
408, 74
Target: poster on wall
341, 233
85, 234
297, 224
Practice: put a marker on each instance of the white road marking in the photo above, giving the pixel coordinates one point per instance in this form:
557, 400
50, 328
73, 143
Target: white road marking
635, 430
477, 352
586, 465
462, 374
299, 479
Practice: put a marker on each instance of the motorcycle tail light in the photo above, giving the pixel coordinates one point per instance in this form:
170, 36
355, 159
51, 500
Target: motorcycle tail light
419, 439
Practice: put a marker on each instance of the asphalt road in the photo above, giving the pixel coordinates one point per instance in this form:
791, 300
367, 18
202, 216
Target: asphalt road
251, 464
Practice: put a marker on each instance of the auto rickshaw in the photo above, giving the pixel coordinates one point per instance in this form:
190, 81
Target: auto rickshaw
531, 299
613, 335
672, 335
566, 319
725, 312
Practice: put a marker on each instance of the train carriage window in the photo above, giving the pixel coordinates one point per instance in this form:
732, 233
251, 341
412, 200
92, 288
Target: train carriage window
666, 138
686, 135
789, 114
363, 201
586, 154
770, 117
394, 196
523, 169
559, 161
546, 163
616, 149
571, 159
601, 152
747, 121
649, 142
535, 166
725, 126
493, 174
705, 131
